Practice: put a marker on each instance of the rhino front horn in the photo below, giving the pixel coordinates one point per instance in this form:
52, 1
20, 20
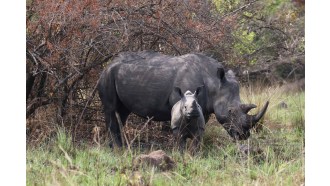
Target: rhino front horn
257, 117
247, 107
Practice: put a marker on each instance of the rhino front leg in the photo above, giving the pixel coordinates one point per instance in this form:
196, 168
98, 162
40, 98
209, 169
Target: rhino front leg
197, 140
182, 144
179, 140
196, 144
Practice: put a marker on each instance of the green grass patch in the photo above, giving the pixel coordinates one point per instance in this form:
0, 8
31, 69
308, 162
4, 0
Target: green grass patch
280, 162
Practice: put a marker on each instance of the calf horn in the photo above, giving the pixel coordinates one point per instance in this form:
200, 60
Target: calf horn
257, 117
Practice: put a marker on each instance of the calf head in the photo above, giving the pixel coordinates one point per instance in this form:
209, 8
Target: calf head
189, 105
229, 110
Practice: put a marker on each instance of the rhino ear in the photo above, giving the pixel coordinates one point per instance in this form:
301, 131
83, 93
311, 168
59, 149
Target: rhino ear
198, 90
231, 73
178, 91
221, 74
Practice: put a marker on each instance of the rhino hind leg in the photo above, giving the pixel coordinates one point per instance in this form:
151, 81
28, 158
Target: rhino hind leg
112, 105
114, 129
123, 113
115, 112
115, 123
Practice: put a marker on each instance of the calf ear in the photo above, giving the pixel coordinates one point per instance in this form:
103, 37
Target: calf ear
178, 91
198, 90
231, 73
221, 74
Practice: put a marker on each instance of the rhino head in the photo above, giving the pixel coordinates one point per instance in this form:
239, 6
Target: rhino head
229, 110
189, 107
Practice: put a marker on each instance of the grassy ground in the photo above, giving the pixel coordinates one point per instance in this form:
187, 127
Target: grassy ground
280, 160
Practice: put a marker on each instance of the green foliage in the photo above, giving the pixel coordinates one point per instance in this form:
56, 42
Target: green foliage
274, 6
264, 30
225, 6
245, 43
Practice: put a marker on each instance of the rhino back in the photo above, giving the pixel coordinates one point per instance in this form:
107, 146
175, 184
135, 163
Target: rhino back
145, 89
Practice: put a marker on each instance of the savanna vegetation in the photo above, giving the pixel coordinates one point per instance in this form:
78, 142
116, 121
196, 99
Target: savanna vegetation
68, 43
279, 160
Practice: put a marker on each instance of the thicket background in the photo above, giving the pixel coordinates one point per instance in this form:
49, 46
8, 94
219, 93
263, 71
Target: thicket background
68, 44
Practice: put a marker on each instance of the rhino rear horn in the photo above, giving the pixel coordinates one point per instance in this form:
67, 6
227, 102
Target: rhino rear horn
258, 116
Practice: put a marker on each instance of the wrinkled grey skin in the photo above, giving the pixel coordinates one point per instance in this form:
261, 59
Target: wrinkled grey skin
187, 120
143, 83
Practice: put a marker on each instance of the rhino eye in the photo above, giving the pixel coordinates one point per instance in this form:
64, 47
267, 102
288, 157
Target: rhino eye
185, 107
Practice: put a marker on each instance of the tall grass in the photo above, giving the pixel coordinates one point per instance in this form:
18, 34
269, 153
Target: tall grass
286, 109
280, 162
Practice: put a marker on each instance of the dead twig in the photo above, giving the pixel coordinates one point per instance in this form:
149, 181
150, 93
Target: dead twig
144, 126
96, 135
121, 131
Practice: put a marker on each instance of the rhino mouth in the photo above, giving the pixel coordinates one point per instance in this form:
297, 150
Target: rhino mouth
192, 115
239, 136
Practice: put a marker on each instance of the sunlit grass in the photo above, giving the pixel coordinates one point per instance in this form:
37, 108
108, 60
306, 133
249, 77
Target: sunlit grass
286, 109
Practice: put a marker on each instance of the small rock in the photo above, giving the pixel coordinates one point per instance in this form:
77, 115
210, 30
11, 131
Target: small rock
255, 152
245, 149
282, 105
157, 159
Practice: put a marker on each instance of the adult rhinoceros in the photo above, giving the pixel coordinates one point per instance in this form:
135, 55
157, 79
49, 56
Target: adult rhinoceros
143, 83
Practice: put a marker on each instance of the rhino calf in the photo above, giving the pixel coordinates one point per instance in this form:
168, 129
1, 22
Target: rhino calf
187, 120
